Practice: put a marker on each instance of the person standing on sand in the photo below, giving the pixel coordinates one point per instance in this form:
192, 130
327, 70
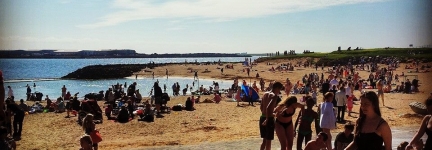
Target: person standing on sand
288, 86
284, 122
64, 89
327, 117
10, 92
267, 121
196, 75
166, 72
28, 92
380, 86
371, 130
341, 101
305, 120
158, 98
2, 97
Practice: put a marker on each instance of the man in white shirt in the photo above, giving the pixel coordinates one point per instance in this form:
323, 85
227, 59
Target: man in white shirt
341, 100
10, 92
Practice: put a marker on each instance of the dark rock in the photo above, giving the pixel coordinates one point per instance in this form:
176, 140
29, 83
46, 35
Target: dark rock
108, 71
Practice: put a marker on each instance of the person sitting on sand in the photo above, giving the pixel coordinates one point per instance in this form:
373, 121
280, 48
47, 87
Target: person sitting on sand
108, 110
217, 98
189, 104
318, 143
343, 139
86, 142
425, 127
123, 115
49, 102
59, 105
148, 114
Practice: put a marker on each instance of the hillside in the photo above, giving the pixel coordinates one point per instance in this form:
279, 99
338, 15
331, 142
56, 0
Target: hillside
342, 57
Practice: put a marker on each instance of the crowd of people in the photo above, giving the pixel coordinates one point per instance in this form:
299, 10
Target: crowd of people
123, 103
371, 131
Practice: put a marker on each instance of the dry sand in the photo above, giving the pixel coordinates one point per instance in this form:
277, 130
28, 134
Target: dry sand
209, 123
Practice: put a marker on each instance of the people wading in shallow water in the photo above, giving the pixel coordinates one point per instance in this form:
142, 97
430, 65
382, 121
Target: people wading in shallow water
267, 121
284, 124
371, 130
327, 117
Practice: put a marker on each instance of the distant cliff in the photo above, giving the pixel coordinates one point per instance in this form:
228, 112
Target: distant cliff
105, 54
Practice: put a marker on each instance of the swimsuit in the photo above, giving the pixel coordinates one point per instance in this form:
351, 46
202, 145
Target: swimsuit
287, 124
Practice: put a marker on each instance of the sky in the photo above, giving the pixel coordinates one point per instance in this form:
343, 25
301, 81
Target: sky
221, 26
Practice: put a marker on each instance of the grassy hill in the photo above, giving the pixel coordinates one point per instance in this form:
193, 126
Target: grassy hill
342, 57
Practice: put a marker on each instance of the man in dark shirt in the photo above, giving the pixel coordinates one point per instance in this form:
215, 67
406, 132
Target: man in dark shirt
343, 139
18, 118
325, 87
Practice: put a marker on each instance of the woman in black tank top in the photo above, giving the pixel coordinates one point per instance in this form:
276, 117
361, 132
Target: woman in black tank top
371, 131
425, 127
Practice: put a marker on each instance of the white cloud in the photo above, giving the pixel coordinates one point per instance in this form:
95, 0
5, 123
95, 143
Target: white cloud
214, 10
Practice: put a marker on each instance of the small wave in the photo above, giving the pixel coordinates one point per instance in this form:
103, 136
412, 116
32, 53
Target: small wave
31, 80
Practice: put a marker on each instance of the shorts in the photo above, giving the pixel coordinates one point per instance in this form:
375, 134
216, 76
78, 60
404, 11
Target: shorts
158, 100
267, 131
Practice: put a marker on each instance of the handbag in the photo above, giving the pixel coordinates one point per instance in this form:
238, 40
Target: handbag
96, 136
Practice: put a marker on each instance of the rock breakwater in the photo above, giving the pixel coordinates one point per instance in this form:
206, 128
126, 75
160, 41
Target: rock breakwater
108, 71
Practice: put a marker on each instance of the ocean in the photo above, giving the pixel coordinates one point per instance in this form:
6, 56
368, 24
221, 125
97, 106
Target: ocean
46, 74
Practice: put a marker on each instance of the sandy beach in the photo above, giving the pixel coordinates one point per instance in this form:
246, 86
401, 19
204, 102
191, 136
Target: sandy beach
209, 122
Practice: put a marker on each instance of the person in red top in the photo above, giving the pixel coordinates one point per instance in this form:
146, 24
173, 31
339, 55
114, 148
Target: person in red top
67, 96
217, 98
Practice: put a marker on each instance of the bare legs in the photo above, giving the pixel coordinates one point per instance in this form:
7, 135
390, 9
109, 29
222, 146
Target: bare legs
285, 136
328, 142
266, 145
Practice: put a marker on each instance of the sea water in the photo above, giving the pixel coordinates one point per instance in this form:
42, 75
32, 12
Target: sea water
46, 74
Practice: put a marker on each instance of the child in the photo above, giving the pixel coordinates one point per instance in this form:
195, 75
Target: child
350, 104
237, 97
108, 111
343, 139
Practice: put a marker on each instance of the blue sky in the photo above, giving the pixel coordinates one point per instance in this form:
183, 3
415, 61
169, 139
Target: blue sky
226, 26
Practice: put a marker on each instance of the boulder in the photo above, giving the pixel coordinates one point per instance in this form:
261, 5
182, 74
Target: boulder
418, 108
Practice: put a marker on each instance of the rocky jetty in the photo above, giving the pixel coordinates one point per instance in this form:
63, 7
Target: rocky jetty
108, 71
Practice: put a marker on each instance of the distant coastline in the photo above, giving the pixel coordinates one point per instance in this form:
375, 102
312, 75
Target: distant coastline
126, 53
